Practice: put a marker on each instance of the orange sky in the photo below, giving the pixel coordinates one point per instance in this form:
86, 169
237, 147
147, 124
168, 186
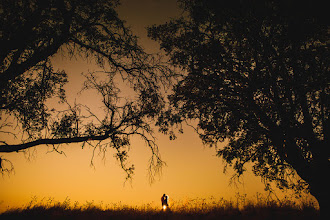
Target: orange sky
192, 169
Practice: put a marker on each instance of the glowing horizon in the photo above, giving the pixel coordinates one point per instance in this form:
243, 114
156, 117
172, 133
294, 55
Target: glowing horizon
192, 169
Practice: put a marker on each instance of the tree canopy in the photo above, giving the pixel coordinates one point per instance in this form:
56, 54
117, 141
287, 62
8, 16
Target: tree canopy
31, 32
257, 76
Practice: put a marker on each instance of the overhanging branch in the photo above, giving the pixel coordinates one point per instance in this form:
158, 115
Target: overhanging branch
18, 147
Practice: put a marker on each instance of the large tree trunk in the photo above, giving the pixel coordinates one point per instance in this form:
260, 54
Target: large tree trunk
321, 193
320, 189
315, 173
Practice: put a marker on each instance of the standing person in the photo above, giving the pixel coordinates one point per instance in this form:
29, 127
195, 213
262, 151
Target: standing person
164, 200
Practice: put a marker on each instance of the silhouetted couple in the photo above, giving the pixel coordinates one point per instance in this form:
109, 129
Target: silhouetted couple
164, 200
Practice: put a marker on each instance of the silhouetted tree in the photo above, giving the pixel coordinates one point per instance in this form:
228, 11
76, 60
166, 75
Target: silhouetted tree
31, 31
258, 79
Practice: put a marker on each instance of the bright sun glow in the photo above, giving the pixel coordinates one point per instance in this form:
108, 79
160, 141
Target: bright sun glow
164, 207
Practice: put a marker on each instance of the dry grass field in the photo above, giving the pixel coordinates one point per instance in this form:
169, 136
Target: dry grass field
189, 209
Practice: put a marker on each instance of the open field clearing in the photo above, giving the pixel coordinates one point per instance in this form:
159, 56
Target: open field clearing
188, 209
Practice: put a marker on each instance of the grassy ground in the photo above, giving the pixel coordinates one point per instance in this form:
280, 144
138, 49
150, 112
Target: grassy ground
191, 209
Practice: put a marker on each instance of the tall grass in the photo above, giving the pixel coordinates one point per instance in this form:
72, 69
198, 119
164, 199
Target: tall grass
200, 208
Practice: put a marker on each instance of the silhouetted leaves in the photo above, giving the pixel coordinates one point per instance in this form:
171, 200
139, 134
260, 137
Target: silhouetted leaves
257, 77
31, 31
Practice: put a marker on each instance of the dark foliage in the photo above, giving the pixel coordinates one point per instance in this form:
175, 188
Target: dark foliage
257, 78
31, 32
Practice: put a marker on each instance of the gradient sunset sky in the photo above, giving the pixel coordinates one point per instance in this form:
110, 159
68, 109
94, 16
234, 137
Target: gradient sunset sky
192, 169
